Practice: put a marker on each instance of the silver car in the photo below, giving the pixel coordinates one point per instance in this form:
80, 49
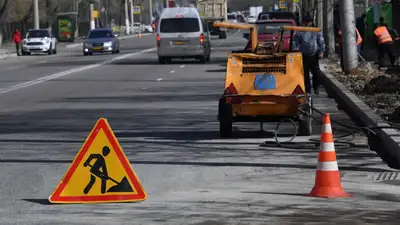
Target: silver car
182, 33
101, 40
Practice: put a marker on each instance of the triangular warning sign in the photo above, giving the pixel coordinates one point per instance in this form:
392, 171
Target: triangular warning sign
100, 172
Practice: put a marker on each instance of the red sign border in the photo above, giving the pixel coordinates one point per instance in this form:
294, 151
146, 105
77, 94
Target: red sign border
139, 196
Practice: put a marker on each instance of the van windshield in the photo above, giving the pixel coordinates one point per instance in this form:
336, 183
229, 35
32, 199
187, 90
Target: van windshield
179, 25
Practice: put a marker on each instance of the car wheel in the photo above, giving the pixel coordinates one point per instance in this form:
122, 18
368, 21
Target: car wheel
50, 52
55, 50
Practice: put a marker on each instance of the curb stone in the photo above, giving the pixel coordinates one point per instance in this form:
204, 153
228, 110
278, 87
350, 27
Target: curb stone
385, 142
120, 38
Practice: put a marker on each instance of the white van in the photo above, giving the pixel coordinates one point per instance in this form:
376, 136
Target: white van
182, 33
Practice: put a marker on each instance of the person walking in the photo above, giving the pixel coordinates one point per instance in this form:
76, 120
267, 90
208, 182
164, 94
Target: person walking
385, 43
312, 47
17, 40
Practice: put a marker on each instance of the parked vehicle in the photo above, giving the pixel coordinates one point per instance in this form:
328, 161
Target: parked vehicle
39, 41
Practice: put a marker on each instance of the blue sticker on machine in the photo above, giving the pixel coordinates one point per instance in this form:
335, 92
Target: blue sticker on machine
265, 82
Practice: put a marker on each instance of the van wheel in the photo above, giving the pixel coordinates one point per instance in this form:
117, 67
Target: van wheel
225, 119
162, 60
208, 58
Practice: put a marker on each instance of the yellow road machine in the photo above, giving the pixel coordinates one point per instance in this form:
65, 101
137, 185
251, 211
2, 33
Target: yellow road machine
265, 84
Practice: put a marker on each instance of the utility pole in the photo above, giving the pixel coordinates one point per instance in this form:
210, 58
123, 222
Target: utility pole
329, 32
127, 17
320, 15
132, 16
347, 24
36, 14
150, 11
92, 24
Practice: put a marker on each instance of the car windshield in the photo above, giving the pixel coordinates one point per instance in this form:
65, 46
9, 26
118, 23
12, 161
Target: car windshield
272, 27
38, 34
179, 25
100, 34
231, 17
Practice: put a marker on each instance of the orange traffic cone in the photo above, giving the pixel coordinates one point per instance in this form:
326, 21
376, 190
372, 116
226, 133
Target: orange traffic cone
327, 179
140, 35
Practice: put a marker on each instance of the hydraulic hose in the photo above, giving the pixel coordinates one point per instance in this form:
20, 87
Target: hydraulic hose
341, 141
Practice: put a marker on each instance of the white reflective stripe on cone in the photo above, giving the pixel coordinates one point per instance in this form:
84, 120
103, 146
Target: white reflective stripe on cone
328, 166
326, 128
327, 147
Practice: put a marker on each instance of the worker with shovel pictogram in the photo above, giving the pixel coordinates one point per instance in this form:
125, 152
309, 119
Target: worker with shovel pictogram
99, 170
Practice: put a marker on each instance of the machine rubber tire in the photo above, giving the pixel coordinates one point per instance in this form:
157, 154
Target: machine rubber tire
162, 60
225, 119
305, 122
305, 126
55, 50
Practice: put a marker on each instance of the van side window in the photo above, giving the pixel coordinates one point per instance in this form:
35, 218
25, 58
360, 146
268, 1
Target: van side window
179, 25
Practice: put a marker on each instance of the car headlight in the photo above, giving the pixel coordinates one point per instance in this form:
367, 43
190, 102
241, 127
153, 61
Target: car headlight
108, 44
46, 40
24, 42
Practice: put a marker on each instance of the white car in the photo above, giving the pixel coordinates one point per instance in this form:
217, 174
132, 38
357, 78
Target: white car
251, 19
39, 41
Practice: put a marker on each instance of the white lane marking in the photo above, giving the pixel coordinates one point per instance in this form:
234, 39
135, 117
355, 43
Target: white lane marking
68, 72
182, 66
172, 71
160, 79
15, 67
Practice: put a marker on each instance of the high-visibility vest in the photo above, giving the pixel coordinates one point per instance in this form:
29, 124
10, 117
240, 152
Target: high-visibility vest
383, 35
359, 38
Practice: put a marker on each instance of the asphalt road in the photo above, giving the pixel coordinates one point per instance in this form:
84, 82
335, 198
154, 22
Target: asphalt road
165, 119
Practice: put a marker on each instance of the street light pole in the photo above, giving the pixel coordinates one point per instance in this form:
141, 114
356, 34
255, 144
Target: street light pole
127, 18
36, 14
347, 24
150, 11
92, 24
132, 16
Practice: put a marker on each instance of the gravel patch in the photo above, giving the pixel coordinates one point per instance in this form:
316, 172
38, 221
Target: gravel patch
378, 89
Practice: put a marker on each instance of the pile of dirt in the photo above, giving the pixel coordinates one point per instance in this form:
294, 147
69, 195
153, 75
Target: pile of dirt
378, 89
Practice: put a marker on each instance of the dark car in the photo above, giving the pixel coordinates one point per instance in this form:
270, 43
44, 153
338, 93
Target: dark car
101, 40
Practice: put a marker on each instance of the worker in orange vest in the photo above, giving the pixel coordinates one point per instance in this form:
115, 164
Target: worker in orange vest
359, 41
385, 43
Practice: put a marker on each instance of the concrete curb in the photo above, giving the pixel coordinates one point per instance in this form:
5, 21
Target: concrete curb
385, 142
7, 55
120, 38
